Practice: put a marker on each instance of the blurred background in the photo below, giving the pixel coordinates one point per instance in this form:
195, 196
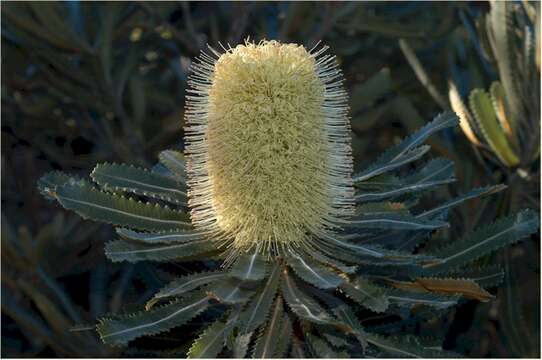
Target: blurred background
88, 82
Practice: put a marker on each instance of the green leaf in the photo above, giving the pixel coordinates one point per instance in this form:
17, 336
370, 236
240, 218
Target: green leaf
405, 346
498, 100
366, 294
276, 328
412, 298
209, 343
333, 262
392, 221
467, 124
483, 241
313, 272
240, 346
381, 168
361, 254
501, 34
482, 109
302, 305
121, 250
127, 178
321, 349
408, 149
285, 338
258, 308
90, 203
50, 182
174, 161
475, 193
250, 267
162, 237
230, 292
185, 284
337, 340
486, 277
128, 327
345, 316
436, 172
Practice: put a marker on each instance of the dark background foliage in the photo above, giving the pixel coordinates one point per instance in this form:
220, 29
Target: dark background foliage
91, 82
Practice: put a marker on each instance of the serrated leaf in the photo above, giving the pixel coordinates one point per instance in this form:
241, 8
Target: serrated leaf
277, 327
346, 316
366, 294
500, 34
336, 340
240, 347
436, 172
160, 169
121, 250
250, 267
163, 237
485, 240
90, 203
392, 221
447, 286
466, 121
475, 193
174, 161
127, 178
121, 331
258, 308
405, 346
333, 262
482, 109
320, 349
301, 304
313, 272
496, 91
486, 277
284, 341
408, 150
185, 284
381, 168
49, 183
410, 299
379, 208
361, 254
209, 343
230, 292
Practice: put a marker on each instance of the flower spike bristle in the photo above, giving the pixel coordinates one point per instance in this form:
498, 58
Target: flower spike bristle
268, 146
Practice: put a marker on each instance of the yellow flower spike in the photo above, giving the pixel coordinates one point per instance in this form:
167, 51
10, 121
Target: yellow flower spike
268, 147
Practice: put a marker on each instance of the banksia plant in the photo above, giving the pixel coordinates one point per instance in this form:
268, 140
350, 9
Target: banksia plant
505, 120
291, 242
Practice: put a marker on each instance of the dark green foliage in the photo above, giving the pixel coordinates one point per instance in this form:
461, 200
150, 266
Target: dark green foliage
269, 298
82, 198
485, 240
210, 342
115, 178
124, 328
112, 77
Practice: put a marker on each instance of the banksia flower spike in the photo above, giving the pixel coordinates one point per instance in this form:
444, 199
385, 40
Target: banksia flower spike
291, 242
268, 147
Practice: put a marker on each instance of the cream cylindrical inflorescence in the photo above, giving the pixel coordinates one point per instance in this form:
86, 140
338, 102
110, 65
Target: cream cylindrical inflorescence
268, 146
